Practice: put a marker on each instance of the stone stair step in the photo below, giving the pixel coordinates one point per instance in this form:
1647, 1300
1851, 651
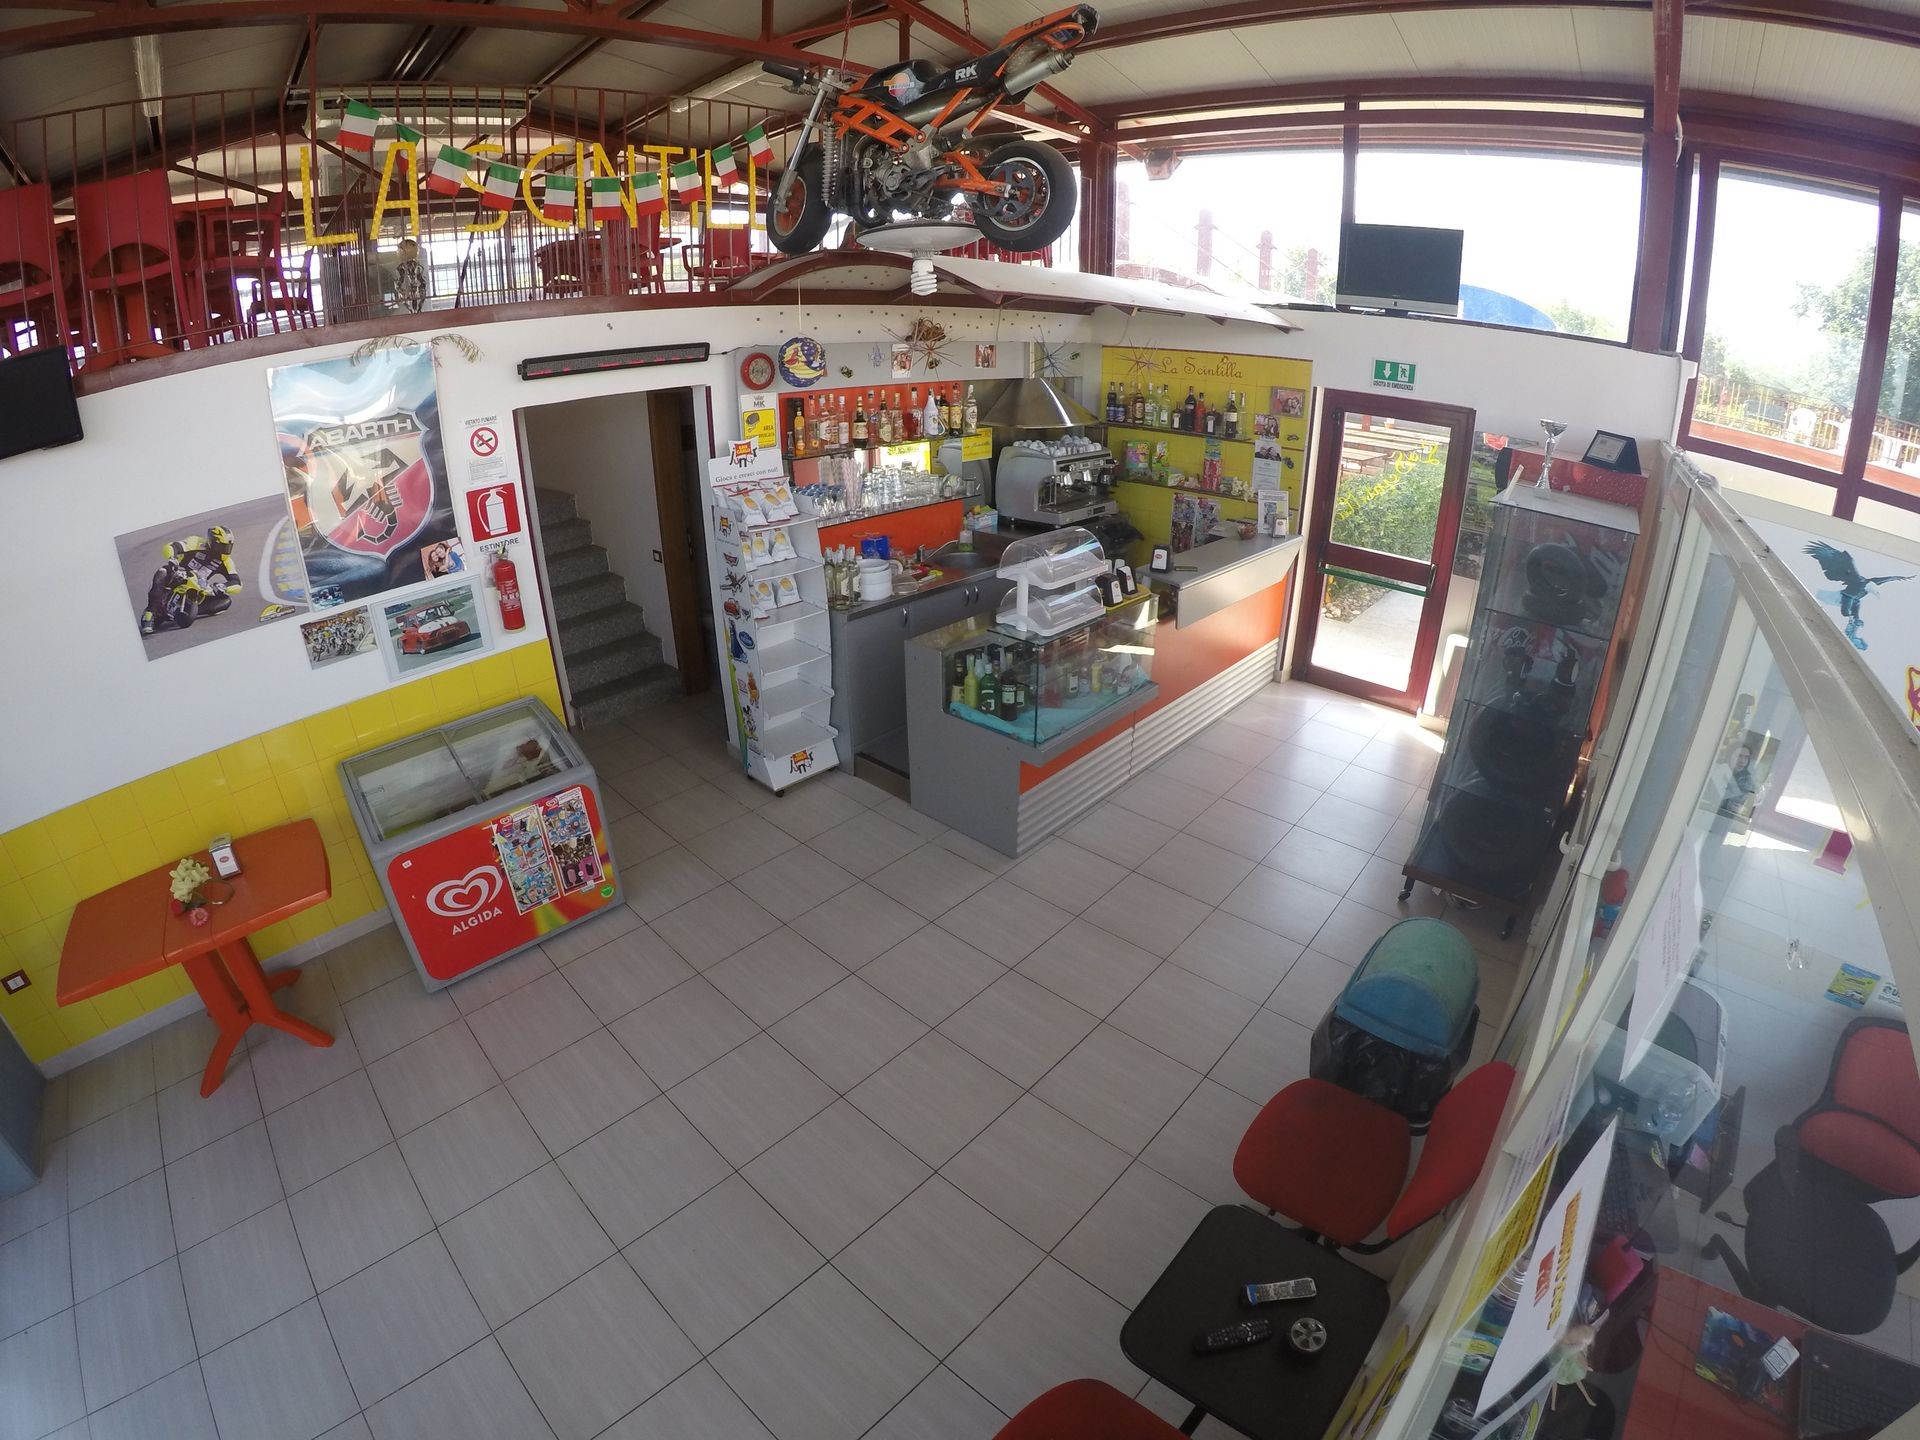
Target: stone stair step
579, 597
597, 627
614, 660
627, 694
554, 505
564, 536
581, 564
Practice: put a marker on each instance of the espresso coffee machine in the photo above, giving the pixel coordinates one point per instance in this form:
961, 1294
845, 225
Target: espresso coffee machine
1054, 482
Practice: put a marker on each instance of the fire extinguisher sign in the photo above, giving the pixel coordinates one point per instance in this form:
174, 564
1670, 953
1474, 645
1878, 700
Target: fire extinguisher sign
493, 511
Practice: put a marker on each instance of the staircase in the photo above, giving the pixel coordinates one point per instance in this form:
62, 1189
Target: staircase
613, 665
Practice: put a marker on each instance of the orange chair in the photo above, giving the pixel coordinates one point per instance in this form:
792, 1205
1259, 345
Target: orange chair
720, 256
563, 268
1336, 1164
242, 243
130, 267
1086, 1410
29, 258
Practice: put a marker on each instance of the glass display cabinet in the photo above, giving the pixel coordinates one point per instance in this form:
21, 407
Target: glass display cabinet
1549, 606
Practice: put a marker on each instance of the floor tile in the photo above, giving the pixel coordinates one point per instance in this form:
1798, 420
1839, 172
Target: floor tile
1182, 1015
1063, 874
932, 973
934, 1097
775, 975
595, 1350
629, 970
1329, 740
471, 1152
286, 1068
1242, 829
1378, 888
222, 1184
426, 1079
1269, 1055
358, 1215
858, 924
967, 848
1054, 1325
1200, 769
1117, 1087
1018, 1027
722, 1261
692, 811
110, 1152
638, 1171
1279, 797
400, 1317
865, 843
697, 1406
366, 962
1196, 868
1397, 844
794, 882
114, 1081
1091, 967
395, 1014
835, 1175
516, 1248
173, 1407
735, 846
930, 881
1311, 987
1155, 917
244, 1277
133, 1334
710, 927
36, 1277
901, 813
682, 1031
666, 881
847, 1033
45, 1200
283, 1381
1310, 856
480, 990
1163, 799
189, 1119
1235, 742
636, 838
865, 791
475, 1395
1131, 1234
535, 1021
1237, 955
1289, 907
1351, 931
120, 1234
823, 1364
584, 1088
583, 937
1408, 757
40, 1376
938, 1264
1118, 834
1037, 1170
1373, 790
1346, 822
333, 1127
751, 1097
812, 810
1005, 921
941, 1407
354, 1429
1306, 766
1195, 1148
653, 781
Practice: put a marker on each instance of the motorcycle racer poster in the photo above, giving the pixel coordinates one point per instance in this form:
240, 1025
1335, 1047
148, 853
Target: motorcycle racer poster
366, 477
211, 574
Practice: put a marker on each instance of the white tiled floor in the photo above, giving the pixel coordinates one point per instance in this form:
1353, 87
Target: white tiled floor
879, 1136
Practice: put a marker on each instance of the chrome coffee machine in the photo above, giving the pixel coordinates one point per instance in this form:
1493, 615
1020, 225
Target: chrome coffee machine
1054, 482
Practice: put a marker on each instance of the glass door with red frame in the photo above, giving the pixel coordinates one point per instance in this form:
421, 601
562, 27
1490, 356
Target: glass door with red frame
1390, 481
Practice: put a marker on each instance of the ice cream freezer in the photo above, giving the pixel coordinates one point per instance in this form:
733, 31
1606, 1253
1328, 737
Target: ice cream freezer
486, 835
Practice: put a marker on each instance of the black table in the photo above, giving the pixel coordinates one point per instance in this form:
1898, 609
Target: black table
1266, 1391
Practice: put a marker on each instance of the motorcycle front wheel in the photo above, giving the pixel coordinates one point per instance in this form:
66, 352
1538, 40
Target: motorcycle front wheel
1037, 206
801, 223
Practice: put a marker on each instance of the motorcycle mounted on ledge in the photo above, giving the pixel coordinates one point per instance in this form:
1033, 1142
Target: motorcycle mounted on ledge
904, 143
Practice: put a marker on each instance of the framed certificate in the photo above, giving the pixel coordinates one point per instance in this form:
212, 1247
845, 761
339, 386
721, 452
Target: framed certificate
1613, 452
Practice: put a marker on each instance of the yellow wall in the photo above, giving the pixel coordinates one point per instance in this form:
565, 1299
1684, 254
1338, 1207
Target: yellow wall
47, 866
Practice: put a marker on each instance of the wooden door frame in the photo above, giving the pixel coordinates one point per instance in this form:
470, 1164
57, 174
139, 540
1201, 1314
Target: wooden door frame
1335, 406
676, 532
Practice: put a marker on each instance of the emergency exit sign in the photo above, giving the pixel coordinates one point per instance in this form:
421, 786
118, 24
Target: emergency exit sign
1392, 375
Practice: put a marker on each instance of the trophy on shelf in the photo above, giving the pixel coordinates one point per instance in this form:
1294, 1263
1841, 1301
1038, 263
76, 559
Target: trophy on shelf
1553, 429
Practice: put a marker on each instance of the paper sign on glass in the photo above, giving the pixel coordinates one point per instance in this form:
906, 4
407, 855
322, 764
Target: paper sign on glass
570, 838
525, 859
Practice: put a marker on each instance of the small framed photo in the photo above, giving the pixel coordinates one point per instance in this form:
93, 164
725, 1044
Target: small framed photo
432, 629
902, 360
1162, 560
442, 558
985, 356
1613, 452
338, 635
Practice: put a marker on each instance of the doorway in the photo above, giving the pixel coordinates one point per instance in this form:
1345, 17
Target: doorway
1390, 482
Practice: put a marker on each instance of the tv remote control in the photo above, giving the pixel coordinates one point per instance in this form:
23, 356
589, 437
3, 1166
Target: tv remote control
1303, 1289
1233, 1337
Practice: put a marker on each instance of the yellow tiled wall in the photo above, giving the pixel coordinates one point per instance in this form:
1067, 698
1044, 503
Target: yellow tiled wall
47, 866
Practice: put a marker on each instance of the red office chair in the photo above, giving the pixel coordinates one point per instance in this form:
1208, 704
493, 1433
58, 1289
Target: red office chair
1086, 1410
721, 255
29, 255
1866, 1124
1335, 1164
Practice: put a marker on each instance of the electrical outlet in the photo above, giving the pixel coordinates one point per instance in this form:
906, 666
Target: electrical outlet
658, 559
16, 982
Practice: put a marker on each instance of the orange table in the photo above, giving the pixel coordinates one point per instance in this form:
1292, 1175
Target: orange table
129, 932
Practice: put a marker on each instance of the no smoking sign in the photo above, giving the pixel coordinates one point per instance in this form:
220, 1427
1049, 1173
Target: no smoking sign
483, 440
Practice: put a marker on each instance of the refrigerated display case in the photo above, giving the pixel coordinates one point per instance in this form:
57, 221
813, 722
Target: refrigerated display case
486, 836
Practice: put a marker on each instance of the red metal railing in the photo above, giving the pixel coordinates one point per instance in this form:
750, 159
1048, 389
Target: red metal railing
265, 217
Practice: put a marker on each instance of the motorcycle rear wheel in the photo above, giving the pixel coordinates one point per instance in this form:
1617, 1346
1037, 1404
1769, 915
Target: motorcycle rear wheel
801, 224
1039, 203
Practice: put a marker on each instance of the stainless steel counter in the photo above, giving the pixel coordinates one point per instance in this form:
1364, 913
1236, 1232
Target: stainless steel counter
1208, 579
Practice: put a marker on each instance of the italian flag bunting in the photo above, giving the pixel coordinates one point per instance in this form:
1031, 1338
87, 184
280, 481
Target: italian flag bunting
449, 171
357, 126
560, 197
503, 183
647, 197
407, 135
606, 197
726, 169
758, 146
686, 176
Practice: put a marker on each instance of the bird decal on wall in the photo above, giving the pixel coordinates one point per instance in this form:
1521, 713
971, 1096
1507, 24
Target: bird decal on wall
1838, 565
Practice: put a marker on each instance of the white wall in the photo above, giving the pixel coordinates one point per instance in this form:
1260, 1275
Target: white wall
602, 451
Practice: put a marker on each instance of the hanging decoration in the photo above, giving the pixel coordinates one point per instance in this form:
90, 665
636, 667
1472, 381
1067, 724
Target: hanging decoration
925, 342
803, 362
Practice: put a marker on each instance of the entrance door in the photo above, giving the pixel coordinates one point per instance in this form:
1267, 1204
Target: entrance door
1390, 482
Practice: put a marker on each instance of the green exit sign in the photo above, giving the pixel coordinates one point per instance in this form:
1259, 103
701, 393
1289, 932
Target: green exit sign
1392, 375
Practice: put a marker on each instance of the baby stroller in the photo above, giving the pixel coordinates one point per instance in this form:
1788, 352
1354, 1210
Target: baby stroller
1403, 1026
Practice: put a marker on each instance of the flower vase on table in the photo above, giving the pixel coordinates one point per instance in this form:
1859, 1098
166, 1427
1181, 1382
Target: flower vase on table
194, 889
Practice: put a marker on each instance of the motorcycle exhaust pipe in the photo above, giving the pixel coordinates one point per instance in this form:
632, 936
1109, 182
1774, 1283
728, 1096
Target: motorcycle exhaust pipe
1020, 81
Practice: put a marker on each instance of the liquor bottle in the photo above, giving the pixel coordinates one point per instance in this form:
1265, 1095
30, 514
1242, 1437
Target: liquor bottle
797, 427
970, 686
930, 422
887, 436
1233, 415
972, 414
860, 430
1010, 706
1187, 410
910, 417
845, 424
1113, 402
1210, 418
1139, 406
957, 682
1022, 663
989, 685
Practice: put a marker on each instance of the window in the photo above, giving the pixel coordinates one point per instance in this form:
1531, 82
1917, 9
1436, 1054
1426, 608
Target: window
1550, 237
1893, 459
1266, 221
1786, 317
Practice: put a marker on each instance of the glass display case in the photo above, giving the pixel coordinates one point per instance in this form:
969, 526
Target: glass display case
1035, 689
1550, 600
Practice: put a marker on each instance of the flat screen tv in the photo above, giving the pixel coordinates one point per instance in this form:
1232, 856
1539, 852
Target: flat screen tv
1399, 267
37, 406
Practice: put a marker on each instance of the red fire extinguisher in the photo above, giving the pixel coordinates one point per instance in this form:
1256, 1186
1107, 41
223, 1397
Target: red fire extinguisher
506, 581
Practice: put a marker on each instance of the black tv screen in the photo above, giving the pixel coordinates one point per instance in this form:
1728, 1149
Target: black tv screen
1400, 267
37, 405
